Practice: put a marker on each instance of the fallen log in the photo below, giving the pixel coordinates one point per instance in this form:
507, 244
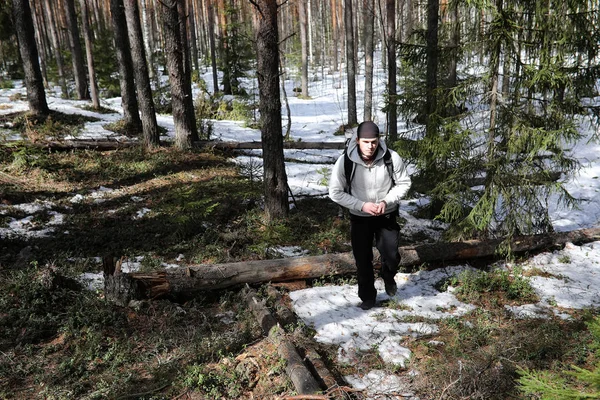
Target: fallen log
197, 278
304, 382
300, 145
106, 145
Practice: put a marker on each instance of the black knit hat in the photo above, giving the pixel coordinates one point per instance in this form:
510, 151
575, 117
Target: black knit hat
367, 130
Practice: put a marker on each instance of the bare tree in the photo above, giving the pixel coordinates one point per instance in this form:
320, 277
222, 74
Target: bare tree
350, 64
131, 115
142, 80
81, 86
29, 56
87, 36
275, 178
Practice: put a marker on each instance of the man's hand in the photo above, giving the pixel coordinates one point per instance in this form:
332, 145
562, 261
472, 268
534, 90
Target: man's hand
382, 207
375, 209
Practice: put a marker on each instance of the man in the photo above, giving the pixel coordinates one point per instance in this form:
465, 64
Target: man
372, 195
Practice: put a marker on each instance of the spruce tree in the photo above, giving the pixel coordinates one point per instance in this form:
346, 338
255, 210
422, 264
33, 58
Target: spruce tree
499, 150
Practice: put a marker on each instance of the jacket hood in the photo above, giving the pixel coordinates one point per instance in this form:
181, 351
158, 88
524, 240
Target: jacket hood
353, 153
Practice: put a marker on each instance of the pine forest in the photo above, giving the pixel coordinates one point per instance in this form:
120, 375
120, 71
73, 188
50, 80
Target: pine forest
160, 159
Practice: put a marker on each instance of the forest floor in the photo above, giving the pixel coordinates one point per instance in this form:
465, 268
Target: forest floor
58, 340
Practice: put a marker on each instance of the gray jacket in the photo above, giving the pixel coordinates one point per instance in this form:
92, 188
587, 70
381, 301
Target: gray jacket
370, 184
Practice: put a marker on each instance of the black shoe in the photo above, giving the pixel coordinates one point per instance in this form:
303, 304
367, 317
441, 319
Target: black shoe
367, 304
390, 287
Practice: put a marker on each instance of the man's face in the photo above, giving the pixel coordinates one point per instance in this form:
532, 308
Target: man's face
368, 147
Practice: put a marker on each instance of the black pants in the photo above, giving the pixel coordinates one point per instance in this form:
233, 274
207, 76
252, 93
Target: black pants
385, 230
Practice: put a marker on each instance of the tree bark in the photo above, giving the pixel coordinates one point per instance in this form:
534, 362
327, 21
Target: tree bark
51, 24
197, 278
335, 34
81, 86
185, 124
350, 64
303, 380
148, 39
304, 47
41, 43
131, 114
87, 35
142, 79
392, 112
275, 179
213, 51
188, 99
432, 63
36, 96
193, 41
369, 24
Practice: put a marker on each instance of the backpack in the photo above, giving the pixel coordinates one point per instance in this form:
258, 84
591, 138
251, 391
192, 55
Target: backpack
350, 167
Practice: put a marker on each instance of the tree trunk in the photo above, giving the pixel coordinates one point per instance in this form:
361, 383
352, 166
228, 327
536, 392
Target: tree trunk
193, 41
184, 122
274, 178
350, 64
432, 63
288, 129
392, 111
87, 35
303, 380
494, 78
142, 80
36, 96
148, 40
51, 23
131, 114
369, 24
41, 43
335, 33
304, 47
213, 52
193, 279
188, 99
81, 86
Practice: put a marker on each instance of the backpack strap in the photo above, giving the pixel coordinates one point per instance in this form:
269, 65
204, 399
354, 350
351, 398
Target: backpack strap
387, 159
349, 168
